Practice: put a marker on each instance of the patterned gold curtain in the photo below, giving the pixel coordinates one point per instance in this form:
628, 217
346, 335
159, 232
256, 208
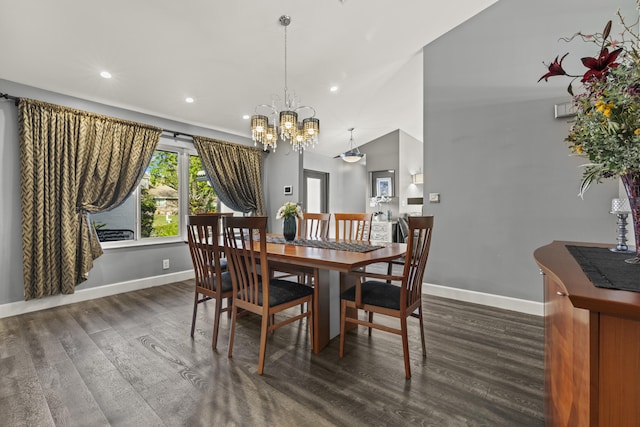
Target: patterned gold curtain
72, 163
235, 172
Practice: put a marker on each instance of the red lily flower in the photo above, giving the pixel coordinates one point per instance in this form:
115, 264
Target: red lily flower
599, 67
555, 69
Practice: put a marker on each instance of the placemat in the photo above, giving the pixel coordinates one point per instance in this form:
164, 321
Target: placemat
327, 244
607, 269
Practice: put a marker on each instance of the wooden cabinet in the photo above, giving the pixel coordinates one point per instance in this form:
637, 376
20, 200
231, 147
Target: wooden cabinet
381, 231
592, 346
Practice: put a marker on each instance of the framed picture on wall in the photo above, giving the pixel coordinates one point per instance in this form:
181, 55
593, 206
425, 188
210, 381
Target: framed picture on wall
384, 187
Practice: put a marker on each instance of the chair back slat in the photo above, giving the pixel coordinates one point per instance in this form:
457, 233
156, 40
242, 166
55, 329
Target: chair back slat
245, 265
353, 226
314, 225
418, 244
202, 234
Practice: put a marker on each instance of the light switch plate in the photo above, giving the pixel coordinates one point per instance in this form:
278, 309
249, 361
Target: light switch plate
434, 197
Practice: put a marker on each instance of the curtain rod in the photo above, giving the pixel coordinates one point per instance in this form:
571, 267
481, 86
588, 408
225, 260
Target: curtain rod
7, 96
176, 133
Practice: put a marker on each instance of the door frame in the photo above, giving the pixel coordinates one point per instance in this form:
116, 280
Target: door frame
324, 188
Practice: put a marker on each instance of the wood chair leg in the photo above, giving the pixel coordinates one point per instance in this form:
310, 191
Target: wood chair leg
424, 346
263, 343
405, 347
216, 323
229, 304
343, 321
195, 312
370, 321
310, 310
232, 331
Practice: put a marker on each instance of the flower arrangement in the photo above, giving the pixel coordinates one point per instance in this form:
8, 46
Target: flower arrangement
289, 209
607, 127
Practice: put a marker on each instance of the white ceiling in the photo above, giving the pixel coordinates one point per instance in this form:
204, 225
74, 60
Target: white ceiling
229, 56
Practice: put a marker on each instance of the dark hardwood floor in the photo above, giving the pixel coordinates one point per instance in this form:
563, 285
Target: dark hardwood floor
128, 360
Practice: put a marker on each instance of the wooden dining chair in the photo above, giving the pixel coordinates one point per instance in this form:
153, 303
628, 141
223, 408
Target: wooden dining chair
253, 290
219, 215
212, 279
383, 296
353, 226
314, 225
311, 226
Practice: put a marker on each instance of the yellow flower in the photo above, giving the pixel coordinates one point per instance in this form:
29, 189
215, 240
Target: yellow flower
577, 148
637, 131
604, 108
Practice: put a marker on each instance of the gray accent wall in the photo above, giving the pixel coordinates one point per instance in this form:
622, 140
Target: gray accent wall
284, 167
116, 265
495, 153
347, 183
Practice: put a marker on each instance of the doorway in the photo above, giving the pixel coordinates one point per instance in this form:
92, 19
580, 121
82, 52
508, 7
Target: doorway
316, 191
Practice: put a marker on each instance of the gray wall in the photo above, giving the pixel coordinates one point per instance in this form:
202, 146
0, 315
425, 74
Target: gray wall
347, 183
285, 168
410, 152
117, 264
494, 152
383, 154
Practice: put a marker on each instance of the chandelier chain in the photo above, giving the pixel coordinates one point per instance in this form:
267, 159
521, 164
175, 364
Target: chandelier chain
286, 100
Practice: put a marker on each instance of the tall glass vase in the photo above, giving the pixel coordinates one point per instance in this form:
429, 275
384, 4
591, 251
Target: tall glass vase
289, 228
631, 183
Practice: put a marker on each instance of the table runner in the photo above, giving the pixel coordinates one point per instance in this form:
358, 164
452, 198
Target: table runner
606, 269
327, 244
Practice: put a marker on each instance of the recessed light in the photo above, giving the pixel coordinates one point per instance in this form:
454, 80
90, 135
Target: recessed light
105, 74
246, 117
333, 88
189, 100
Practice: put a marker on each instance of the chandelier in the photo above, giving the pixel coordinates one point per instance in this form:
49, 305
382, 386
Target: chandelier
266, 128
352, 155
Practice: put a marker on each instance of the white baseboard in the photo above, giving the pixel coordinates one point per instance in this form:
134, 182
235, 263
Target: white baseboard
498, 301
21, 307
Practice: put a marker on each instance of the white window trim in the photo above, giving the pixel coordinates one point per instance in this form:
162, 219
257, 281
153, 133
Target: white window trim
184, 150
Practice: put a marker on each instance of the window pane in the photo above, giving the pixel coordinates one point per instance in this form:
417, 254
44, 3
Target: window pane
118, 223
202, 197
159, 202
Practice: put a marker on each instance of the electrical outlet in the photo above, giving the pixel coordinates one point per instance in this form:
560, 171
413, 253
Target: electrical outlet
165, 264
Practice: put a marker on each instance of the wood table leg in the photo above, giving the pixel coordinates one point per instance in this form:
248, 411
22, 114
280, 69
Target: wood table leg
347, 281
321, 310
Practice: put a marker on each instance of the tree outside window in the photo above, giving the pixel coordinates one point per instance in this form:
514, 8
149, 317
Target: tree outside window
202, 197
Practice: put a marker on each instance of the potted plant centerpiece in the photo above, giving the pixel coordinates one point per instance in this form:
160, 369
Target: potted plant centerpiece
606, 130
289, 212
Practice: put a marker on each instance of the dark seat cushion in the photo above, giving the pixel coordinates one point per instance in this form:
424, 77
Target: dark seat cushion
281, 291
225, 279
223, 264
376, 293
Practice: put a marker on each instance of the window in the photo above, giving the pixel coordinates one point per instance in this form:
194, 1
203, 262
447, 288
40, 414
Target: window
173, 186
202, 198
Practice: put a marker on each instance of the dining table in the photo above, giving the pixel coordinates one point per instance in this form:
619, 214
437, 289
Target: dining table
329, 261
